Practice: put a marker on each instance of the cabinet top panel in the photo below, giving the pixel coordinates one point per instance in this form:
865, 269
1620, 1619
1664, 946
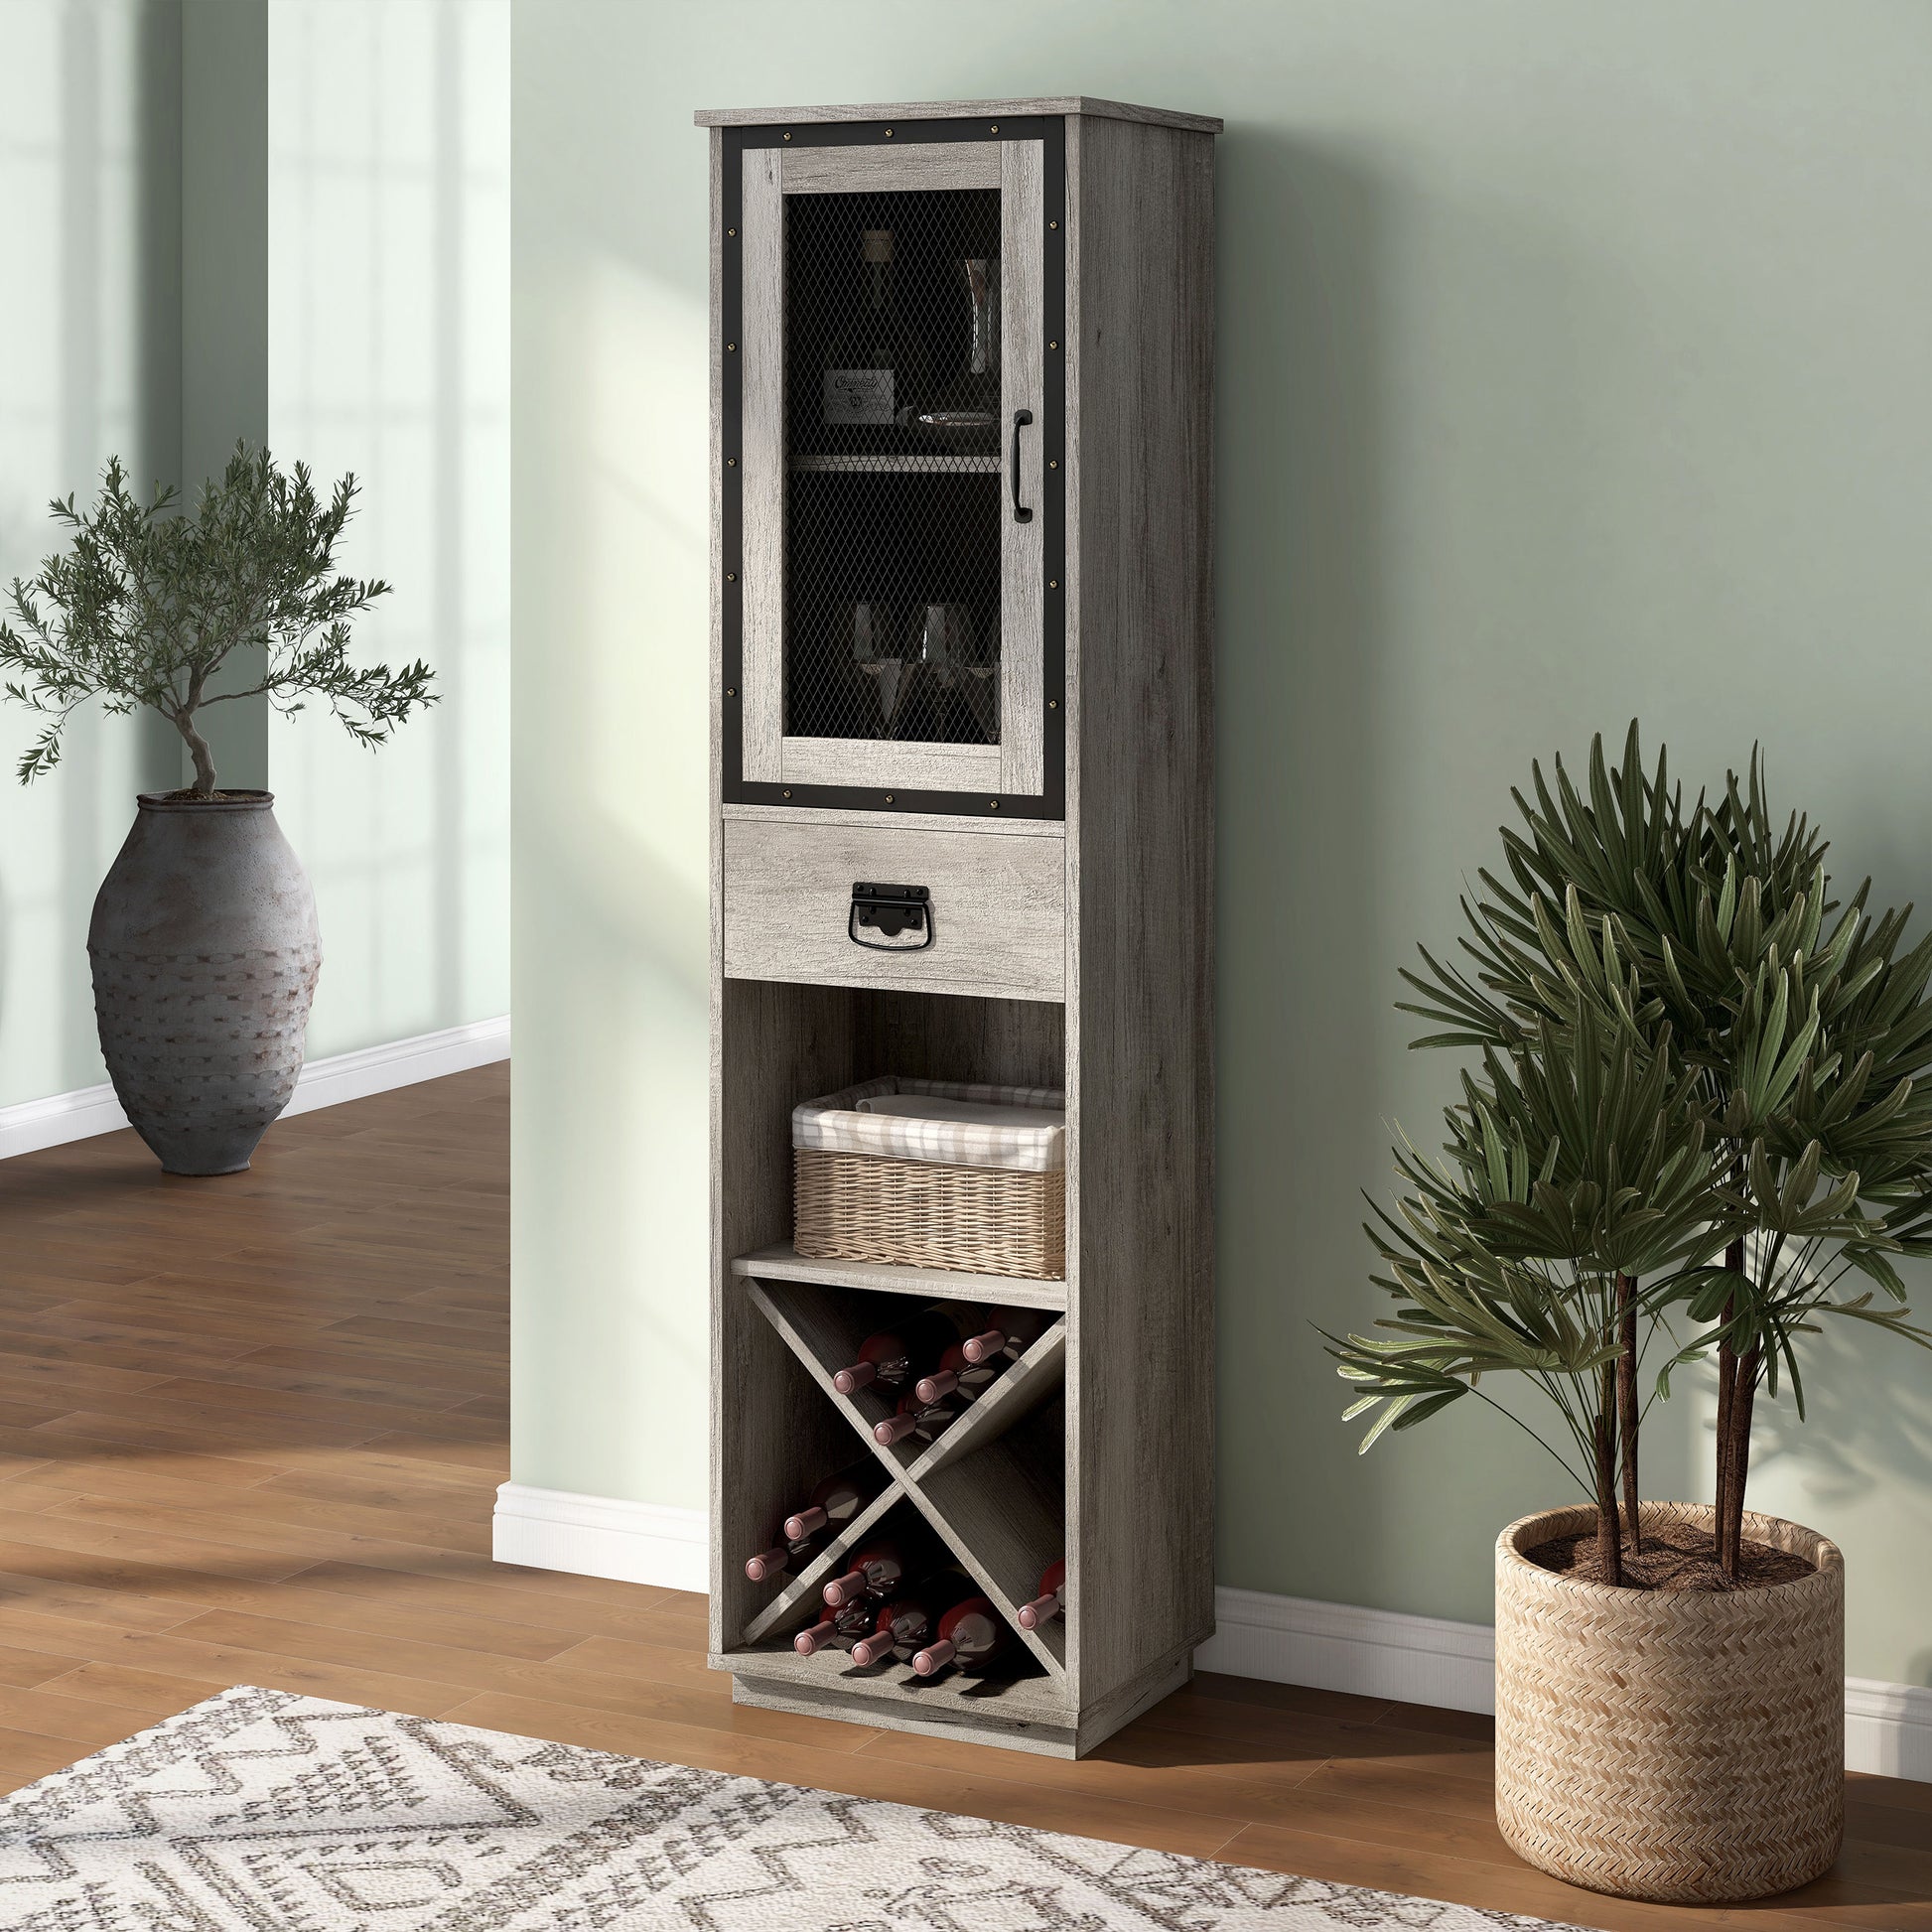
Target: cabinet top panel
949, 111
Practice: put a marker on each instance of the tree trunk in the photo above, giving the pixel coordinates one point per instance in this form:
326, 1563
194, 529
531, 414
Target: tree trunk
1738, 1460
197, 747
1608, 1554
1627, 1416
1727, 1399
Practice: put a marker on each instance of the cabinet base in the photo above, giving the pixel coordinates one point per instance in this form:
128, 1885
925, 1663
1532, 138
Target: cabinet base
1140, 1693
1044, 1738
1015, 1735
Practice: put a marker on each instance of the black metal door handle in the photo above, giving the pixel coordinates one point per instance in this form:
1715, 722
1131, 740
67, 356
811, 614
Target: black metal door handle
890, 911
1021, 418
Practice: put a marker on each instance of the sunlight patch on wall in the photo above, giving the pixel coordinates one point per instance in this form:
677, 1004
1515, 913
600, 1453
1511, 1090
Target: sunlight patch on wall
78, 382
643, 426
390, 356
612, 857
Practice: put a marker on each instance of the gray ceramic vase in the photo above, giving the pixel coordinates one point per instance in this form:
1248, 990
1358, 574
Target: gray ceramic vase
205, 952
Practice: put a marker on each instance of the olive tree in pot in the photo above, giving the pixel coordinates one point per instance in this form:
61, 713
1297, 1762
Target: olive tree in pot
204, 941
1669, 1695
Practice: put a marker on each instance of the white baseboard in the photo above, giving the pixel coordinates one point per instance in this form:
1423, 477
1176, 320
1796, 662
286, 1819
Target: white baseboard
1888, 1728
399, 1064
598, 1535
1428, 1660
31, 1125
1282, 1639
35, 1124
1337, 1647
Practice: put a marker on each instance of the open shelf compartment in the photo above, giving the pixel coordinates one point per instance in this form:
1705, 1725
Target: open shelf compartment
998, 1504
824, 1330
798, 1594
1021, 1677
1037, 1376
1008, 1521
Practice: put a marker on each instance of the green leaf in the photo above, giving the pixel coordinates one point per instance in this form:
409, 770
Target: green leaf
1682, 1040
145, 606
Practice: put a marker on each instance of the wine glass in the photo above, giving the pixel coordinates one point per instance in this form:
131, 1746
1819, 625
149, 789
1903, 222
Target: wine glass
879, 652
946, 643
979, 673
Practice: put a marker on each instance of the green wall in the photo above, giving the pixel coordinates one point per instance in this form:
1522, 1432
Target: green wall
148, 152
1572, 365
224, 322
90, 364
387, 196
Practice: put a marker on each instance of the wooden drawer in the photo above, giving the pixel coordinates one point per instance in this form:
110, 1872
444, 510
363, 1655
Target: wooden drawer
998, 902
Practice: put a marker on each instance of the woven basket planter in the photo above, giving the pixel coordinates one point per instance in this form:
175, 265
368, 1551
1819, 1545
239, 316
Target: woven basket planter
1680, 1746
925, 1214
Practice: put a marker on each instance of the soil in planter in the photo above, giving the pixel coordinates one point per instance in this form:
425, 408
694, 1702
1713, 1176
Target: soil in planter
1675, 1557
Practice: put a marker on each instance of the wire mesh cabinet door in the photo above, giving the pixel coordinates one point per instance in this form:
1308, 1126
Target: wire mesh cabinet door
899, 470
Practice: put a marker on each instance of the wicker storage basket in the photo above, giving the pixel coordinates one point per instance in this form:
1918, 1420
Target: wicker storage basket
1680, 1746
984, 1195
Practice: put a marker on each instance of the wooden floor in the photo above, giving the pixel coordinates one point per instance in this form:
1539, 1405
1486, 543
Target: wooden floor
252, 1430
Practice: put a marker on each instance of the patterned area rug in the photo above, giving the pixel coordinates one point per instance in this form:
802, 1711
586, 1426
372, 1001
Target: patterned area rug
260, 1811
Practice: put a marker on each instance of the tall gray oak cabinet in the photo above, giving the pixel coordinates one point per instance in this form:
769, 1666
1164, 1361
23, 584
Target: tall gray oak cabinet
961, 638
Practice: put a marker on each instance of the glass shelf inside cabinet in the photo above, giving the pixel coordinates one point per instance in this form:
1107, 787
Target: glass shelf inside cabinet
893, 533
861, 462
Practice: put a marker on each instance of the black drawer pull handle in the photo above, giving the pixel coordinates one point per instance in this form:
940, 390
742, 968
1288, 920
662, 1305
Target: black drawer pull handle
1021, 418
890, 911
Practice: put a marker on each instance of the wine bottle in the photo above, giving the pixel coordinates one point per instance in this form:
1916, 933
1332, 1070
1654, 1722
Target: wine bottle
773, 1562
909, 1619
801, 1537
838, 1499
835, 1628
970, 1634
888, 1357
1050, 1600
958, 1377
876, 365
875, 1569
1011, 1332
914, 1418
977, 387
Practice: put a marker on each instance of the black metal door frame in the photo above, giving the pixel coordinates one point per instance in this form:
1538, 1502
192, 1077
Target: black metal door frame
1050, 802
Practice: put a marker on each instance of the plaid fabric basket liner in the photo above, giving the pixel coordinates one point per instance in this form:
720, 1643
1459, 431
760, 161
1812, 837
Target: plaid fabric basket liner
1034, 1141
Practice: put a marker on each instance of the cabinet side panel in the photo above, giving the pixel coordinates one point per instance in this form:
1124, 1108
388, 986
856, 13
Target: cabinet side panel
717, 503
720, 1257
715, 650
770, 1429
1141, 871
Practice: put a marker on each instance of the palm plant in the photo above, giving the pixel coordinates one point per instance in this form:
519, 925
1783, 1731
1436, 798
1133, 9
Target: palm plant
1575, 1164
1803, 1023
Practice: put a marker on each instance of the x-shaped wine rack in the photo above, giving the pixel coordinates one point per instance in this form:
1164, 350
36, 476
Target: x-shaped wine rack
997, 1515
